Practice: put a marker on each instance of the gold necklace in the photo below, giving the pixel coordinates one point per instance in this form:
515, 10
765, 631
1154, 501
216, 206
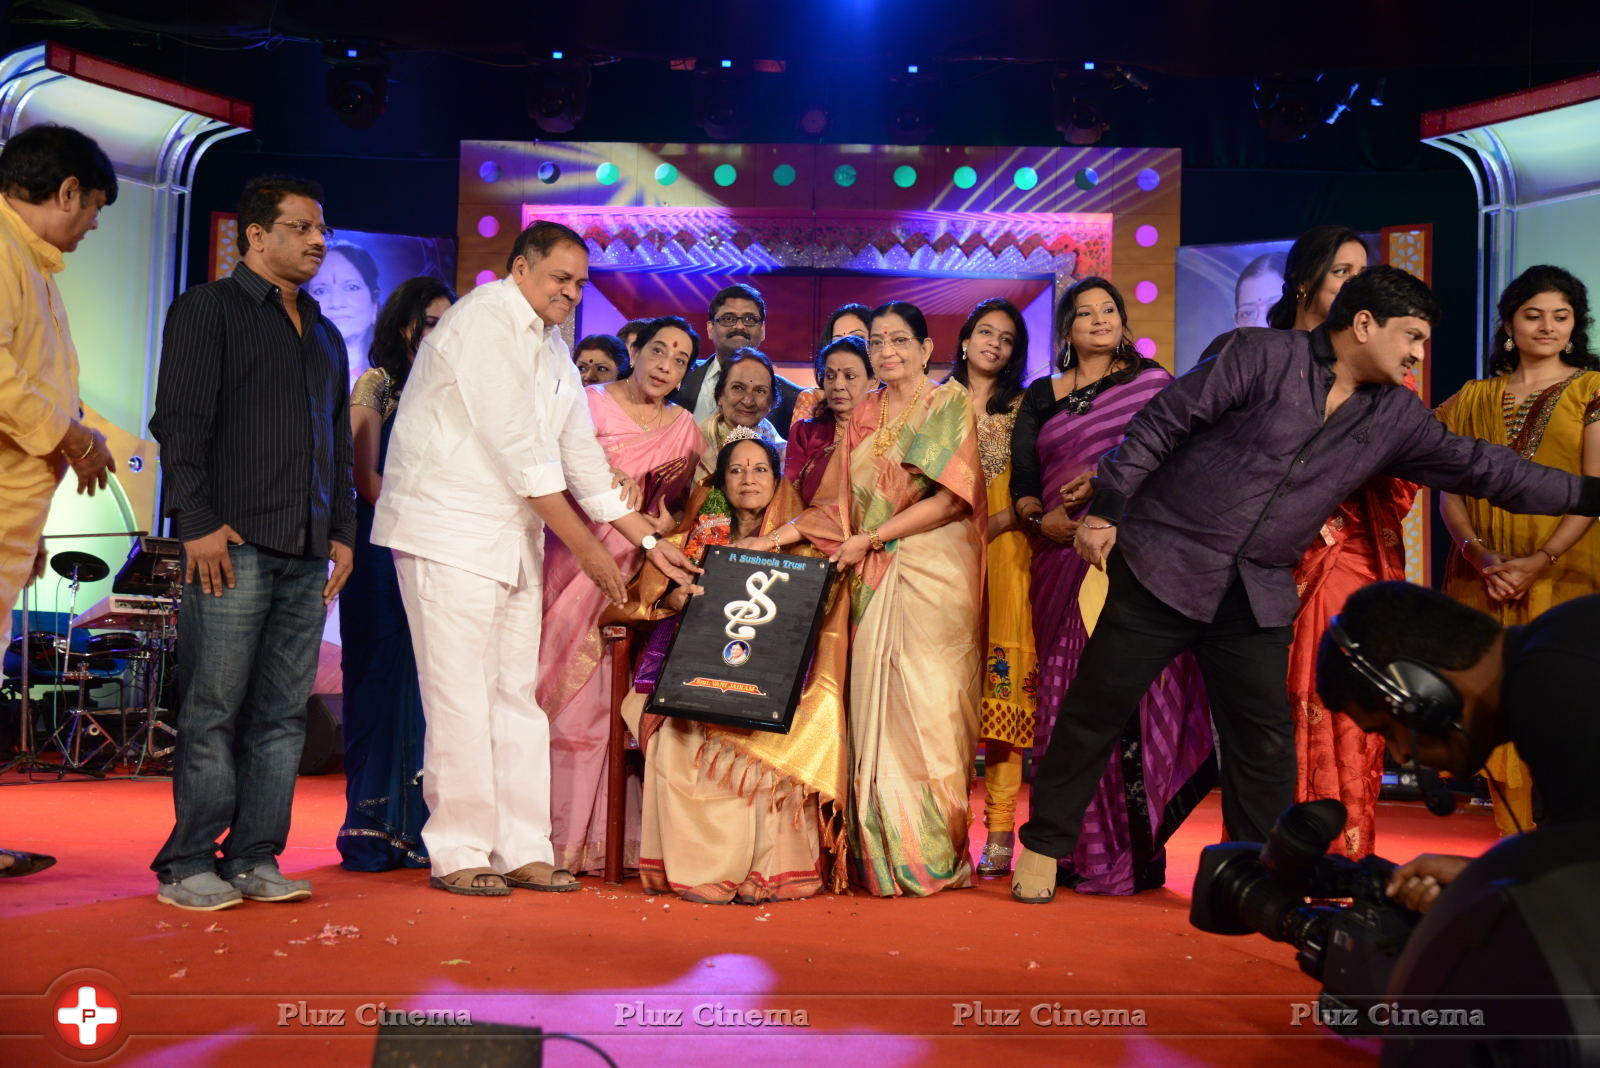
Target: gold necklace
660, 412
887, 434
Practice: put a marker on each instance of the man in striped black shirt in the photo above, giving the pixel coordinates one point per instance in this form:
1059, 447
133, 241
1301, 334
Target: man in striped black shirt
253, 419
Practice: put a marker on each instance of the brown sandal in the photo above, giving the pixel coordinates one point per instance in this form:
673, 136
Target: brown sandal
528, 877
462, 882
1033, 881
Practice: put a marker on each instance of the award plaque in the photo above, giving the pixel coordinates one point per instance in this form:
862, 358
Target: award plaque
743, 647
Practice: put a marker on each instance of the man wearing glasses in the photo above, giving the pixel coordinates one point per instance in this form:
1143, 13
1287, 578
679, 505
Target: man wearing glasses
738, 319
252, 413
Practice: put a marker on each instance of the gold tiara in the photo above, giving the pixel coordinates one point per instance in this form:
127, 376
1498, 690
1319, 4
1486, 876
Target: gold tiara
742, 433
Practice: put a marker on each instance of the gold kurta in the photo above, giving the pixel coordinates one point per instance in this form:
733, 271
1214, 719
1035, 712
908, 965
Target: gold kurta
38, 394
1011, 675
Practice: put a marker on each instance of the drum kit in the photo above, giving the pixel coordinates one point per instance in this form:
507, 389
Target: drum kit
127, 640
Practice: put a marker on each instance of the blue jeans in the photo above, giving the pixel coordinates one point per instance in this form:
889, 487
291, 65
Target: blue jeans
246, 662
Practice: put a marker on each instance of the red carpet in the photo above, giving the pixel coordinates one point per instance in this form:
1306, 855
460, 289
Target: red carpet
880, 982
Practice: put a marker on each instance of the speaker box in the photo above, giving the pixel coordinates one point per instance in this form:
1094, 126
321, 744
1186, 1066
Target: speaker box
324, 751
451, 1045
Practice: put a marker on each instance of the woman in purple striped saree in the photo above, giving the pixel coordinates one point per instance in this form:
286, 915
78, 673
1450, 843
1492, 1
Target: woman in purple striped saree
1164, 764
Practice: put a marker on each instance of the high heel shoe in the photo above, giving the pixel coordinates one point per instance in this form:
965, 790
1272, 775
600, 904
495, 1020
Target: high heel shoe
995, 860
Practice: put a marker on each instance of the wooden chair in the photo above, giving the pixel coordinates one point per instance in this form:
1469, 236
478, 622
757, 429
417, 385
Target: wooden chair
619, 646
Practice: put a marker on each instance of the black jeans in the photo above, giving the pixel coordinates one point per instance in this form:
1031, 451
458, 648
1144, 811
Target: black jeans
1246, 668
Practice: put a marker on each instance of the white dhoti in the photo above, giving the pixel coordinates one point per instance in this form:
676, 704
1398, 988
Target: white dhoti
486, 754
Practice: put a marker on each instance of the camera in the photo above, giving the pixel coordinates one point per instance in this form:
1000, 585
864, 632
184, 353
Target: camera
1286, 889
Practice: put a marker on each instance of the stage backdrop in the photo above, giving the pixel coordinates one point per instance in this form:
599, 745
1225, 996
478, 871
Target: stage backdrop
814, 226
1535, 162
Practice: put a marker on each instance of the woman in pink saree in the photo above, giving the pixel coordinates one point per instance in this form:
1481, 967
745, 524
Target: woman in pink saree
652, 446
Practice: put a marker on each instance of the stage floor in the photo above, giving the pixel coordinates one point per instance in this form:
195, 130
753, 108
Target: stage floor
835, 979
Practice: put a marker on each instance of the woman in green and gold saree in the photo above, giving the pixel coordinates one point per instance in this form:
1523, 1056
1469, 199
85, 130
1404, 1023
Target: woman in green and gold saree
902, 506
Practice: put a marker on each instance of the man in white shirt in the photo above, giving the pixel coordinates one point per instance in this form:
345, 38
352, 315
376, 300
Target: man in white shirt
492, 431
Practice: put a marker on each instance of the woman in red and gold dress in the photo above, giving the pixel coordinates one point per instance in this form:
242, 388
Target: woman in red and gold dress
1362, 542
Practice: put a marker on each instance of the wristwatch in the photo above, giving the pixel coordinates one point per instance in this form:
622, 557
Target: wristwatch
648, 542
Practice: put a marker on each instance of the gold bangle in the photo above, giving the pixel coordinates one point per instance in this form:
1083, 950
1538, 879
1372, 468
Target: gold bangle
1090, 526
874, 539
777, 546
86, 451
1553, 556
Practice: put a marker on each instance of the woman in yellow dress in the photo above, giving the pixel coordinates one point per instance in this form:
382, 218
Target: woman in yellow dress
1542, 398
991, 354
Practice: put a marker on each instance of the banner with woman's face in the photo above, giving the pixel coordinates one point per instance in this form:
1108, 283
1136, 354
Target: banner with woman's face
1221, 287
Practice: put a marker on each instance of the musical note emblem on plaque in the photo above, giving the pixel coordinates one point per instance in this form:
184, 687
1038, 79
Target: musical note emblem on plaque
745, 616
742, 648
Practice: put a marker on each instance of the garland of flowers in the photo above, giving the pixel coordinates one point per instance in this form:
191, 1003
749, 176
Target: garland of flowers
712, 526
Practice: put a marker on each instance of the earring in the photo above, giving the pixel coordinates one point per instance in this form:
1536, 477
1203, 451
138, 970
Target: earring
1510, 345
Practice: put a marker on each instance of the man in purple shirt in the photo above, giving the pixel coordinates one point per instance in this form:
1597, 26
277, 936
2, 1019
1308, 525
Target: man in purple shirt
1220, 485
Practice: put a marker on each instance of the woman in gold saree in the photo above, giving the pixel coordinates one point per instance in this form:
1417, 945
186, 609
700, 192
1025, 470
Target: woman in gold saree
903, 506
732, 814
1542, 398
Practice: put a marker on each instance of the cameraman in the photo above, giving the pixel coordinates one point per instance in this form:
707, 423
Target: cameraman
1471, 685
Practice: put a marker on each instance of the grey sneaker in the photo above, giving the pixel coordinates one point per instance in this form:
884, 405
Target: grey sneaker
205, 892
265, 882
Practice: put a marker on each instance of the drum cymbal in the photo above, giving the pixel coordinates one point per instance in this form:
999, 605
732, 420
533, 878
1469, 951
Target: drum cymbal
90, 567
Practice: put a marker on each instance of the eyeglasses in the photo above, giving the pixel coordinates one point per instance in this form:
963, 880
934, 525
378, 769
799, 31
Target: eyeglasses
729, 319
901, 343
304, 227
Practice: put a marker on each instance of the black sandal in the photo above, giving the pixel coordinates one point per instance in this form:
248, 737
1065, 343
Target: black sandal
24, 863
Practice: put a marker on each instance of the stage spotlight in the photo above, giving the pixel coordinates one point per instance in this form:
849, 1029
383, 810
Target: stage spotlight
910, 109
1286, 106
722, 103
814, 121
1343, 104
357, 83
557, 92
1082, 106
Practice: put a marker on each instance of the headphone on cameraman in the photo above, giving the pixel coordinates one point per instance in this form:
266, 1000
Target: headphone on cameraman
1420, 698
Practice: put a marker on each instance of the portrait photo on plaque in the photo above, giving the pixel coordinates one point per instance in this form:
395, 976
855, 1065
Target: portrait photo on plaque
742, 650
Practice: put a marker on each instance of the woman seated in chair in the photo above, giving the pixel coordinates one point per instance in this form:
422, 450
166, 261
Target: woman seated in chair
732, 814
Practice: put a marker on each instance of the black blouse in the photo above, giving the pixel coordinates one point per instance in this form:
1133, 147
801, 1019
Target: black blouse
1039, 406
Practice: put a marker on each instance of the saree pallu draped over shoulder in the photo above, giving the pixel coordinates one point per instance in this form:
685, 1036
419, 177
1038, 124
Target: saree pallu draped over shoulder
916, 626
